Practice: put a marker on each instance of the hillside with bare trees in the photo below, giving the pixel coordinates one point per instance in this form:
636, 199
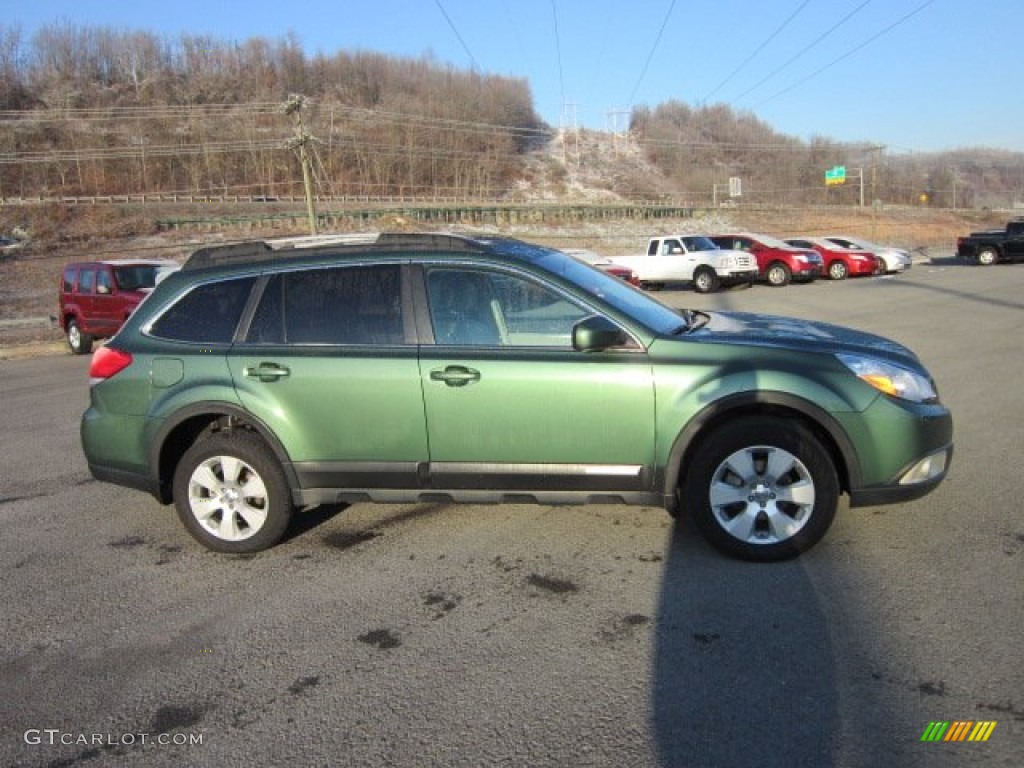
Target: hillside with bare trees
101, 112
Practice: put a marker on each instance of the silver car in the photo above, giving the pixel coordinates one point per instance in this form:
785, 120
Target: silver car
893, 259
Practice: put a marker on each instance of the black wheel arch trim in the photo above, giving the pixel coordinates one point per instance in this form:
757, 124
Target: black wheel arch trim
214, 409
849, 473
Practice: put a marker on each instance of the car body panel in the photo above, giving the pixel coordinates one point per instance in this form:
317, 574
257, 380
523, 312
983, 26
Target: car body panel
335, 404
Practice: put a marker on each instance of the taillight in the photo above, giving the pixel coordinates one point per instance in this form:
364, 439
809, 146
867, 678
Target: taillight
107, 362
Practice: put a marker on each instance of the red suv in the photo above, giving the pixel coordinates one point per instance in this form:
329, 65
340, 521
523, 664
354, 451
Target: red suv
777, 262
96, 297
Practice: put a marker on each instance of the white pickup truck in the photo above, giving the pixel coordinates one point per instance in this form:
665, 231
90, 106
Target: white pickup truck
690, 259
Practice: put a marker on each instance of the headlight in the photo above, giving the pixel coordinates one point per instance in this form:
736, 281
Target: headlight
892, 379
801, 258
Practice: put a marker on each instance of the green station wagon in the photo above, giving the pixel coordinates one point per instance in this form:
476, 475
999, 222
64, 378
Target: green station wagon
441, 368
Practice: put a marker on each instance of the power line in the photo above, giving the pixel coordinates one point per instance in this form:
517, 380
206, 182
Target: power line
654, 46
803, 50
558, 51
457, 35
850, 52
757, 50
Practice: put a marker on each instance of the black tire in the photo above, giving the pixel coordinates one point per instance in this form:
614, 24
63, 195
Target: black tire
987, 256
837, 270
80, 343
231, 493
761, 488
705, 280
778, 274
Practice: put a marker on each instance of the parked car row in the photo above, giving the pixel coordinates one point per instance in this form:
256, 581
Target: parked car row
709, 262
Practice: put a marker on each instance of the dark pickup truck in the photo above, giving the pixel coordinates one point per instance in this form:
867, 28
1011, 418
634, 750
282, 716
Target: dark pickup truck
993, 245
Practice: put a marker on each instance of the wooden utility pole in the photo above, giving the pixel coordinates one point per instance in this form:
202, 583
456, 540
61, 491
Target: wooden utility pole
300, 143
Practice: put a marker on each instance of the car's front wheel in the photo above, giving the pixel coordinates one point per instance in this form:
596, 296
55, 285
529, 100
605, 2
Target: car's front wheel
79, 342
762, 488
779, 274
705, 280
231, 493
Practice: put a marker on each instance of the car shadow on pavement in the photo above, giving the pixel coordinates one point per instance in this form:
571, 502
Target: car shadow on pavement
743, 665
307, 520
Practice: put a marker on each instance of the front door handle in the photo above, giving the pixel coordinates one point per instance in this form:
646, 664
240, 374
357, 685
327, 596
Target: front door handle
455, 375
266, 372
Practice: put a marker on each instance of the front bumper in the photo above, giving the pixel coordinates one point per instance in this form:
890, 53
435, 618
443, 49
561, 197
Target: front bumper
905, 451
810, 272
740, 276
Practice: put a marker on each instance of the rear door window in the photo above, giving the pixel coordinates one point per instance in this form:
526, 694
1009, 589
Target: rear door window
337, 305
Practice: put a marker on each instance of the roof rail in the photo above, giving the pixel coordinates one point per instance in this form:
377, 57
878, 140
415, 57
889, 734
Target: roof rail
251, 250
262, 250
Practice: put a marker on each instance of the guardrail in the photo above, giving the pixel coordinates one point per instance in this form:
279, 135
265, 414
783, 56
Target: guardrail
436, 214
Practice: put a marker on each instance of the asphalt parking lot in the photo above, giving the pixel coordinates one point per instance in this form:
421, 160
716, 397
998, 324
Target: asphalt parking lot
525, 635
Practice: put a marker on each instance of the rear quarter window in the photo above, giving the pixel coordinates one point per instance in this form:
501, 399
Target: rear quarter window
208, 314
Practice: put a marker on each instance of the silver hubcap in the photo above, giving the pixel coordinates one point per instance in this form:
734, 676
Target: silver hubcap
75, 336
228, 498
838, 271
777, 276
762, 495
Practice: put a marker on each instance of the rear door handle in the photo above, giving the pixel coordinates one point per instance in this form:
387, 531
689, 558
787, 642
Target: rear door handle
266, 372
455, 375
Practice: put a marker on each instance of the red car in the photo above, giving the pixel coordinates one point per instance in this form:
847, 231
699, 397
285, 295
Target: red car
840, 262
96, 297
605, 265
777, 262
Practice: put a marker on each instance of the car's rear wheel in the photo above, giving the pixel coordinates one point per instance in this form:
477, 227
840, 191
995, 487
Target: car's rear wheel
705, 280
79, 342
987, 257
779, 274
762, 488
838, 270
231, 493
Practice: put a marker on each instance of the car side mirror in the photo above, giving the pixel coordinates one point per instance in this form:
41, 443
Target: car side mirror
597, 333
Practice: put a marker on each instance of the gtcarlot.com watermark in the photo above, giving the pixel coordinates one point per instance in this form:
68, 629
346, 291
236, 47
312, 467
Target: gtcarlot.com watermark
53, 737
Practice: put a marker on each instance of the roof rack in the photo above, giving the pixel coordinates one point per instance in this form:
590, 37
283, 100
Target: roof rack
254, 251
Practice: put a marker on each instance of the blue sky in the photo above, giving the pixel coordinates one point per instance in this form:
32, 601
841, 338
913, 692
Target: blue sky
913, 75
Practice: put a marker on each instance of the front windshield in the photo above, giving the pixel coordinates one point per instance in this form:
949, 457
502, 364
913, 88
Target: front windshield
615, 292
699, 243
